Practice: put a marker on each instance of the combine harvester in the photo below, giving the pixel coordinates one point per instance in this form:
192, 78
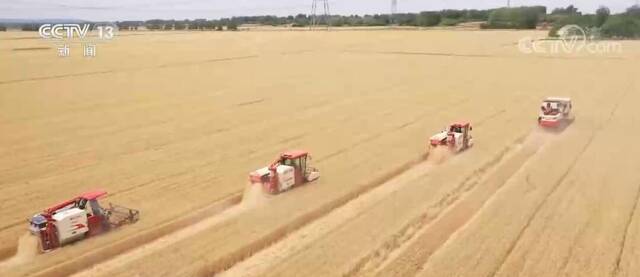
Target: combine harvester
555, 112
78, 218
457, 137
288, 171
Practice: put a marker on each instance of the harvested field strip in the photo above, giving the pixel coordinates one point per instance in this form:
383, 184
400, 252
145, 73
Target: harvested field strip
479, 247
259, 263
416, 188
298, 240
559, 183
223, 264
430, 231
280, 233
252, 198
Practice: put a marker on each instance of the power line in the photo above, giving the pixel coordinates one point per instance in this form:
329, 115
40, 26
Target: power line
325, 13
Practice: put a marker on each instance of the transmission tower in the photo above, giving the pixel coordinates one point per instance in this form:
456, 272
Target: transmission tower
394, 7
324, 14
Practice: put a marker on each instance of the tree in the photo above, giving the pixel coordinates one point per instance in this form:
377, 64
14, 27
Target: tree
199, 24
30, 27
514, 18
232, 26
634, 11
429, 19
569, 10
3, 28
455, 14
210, 25
180, 25
621, 26
601, 15
154, 24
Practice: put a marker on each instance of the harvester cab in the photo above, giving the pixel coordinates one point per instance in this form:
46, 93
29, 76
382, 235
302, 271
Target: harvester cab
78, 218
289, 170
457, 137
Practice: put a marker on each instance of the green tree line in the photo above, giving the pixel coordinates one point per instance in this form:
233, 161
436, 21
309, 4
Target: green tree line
603, 22
445, 17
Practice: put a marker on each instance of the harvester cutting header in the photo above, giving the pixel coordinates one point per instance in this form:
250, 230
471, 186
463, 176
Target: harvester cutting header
289, 170
78, 218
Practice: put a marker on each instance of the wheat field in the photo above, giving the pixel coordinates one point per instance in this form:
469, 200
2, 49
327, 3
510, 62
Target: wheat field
171, 123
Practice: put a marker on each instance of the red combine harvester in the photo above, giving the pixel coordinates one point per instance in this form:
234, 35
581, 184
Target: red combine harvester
288, 171
457, 137
77, 219
555, 111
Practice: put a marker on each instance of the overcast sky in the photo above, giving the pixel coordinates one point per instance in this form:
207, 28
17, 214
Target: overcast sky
210, 9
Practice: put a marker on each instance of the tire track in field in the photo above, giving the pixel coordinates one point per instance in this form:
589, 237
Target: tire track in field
537, 209
557, 184
574, 241
409, 53
101, 72
616, 270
